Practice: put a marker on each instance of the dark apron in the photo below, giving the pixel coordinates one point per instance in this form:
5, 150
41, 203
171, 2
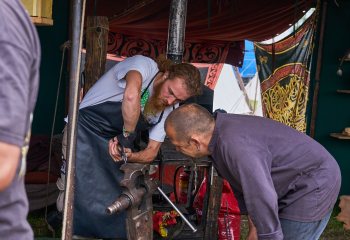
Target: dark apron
97, 176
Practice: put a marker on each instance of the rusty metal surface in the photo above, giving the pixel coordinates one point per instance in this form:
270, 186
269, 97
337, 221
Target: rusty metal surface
136, 198
78, 13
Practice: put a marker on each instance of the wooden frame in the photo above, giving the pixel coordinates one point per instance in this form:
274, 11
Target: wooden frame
40, 11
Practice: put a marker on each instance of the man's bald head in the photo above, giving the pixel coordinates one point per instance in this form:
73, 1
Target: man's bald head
189, 119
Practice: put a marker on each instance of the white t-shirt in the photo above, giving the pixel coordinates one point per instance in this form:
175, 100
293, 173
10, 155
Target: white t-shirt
111, 87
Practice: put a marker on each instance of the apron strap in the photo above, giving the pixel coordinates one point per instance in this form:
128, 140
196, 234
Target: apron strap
160, 118
149, 84
143, 93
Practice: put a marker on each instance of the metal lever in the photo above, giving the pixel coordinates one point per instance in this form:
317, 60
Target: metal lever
123, 154
177, 210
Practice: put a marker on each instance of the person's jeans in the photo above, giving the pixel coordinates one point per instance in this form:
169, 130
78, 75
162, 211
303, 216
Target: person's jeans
294, 230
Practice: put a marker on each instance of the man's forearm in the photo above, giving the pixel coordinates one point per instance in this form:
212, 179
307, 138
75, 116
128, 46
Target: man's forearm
148, 154
131, 113
131, 101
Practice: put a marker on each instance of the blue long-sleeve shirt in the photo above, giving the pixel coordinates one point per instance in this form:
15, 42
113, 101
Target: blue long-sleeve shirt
274, 170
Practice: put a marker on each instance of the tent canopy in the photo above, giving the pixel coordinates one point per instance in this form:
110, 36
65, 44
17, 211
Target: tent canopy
222, 20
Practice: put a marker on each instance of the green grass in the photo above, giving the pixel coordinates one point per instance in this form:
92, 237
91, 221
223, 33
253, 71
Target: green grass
333, 231
40, 228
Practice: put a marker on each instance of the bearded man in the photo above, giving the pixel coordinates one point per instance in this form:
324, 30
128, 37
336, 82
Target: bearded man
135, 95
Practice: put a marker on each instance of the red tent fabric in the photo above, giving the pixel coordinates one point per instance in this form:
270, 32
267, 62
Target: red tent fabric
221, 20
209, 22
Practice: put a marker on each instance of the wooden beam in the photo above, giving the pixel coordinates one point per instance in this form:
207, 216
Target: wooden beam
39, 21
40, 11
97, 29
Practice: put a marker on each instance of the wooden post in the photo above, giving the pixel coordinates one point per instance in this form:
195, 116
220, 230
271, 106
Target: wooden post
318, 72
96, 49
214, 188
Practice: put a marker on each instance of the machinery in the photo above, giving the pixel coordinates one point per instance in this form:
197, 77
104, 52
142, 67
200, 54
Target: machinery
138, 189
137, 200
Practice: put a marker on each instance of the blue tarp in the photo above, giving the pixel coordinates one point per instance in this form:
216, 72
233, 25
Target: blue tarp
248, 69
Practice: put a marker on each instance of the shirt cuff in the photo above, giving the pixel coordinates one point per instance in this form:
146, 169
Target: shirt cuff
278, 235
11, 138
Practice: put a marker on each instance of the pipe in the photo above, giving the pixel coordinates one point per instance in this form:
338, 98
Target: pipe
176, 32
176, 209
78, 11
122, 203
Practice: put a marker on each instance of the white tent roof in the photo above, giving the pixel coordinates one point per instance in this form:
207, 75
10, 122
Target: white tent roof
228, 95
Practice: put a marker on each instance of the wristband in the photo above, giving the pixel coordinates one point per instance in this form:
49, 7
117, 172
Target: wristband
127, 142
127, 133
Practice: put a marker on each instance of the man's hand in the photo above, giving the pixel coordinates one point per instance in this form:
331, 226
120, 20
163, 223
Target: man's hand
127, 141
252, 234
9, 160
145, 156
115, 150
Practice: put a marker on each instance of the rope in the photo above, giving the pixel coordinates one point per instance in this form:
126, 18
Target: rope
99, 39
236, 104
101, 27
241, 86
65, 46
100, 47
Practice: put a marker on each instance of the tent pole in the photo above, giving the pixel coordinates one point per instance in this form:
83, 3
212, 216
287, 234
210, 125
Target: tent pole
78, 11
318, 72
176, 32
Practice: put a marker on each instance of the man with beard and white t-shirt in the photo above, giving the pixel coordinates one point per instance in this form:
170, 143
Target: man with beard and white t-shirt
135, 95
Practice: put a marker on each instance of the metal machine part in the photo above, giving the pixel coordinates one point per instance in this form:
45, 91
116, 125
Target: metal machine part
136, 199
177, 210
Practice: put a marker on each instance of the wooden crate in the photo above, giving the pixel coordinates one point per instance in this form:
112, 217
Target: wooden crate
40, 11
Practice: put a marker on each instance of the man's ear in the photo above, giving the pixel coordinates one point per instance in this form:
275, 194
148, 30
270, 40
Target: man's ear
165, 75
195, 141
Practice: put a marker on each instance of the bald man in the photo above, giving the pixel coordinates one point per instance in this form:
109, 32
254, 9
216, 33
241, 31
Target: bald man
284, 180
